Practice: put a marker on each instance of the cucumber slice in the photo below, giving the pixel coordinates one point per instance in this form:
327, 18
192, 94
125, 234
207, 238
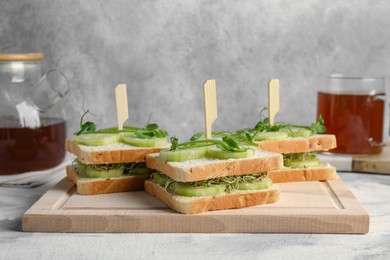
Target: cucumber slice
192, 191
255, 185
96, 139
271, 136
137, 169
214, 152
128, 129
305, 163
183, 155
129, 134
81, 169
159, 179
152, 142
295, 132
92, 173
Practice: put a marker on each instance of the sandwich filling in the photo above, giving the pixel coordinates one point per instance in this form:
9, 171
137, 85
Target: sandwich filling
111, 170
212, 187
301, 160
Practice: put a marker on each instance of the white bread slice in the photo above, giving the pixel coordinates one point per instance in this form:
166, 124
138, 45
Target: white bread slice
194, 205
206, 168
320, 173
107, 154
92, 186
320, 142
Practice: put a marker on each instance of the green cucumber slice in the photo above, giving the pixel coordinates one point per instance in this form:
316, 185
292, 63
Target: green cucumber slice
296, 132
271, 136
183, 155
137, 169
255, 185
127, 129
214, 152
159, 179
92, 173
199, 191
96, 139
305, 163
150, 142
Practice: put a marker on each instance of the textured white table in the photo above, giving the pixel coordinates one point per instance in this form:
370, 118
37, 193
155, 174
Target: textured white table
373, 191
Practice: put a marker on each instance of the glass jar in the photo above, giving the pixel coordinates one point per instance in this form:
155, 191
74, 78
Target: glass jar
32, 136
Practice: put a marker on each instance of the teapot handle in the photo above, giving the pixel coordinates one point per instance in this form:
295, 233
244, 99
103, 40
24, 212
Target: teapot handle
52, 87
386, 122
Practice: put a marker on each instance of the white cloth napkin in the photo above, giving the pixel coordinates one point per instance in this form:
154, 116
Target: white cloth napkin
35, 178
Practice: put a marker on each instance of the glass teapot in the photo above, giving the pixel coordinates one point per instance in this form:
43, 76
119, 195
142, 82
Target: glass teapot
32, 136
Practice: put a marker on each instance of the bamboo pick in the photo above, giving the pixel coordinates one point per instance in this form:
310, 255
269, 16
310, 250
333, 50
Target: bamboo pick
210, 105
122, 110
273, 100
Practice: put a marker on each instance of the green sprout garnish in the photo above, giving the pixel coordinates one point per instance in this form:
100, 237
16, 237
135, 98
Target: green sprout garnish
229, 143
198, 136
264, 126
86, 127
151, 130
319, 126
174, 143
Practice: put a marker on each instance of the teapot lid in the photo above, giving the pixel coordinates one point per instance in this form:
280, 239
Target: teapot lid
21, 56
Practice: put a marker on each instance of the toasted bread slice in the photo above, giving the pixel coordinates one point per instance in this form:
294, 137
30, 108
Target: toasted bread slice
92, 186
107, 154
320, 173
206, 168
312, 143
194, 205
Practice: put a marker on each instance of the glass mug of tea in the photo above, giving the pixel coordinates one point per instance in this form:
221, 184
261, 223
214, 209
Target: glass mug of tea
354, 110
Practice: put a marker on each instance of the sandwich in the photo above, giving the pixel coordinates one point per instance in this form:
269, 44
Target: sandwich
298, 145
212, 174
109, 160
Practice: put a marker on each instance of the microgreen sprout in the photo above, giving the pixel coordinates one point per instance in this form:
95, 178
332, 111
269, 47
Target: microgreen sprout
228, 142
136, 168
151, 130
87, 126
264, 126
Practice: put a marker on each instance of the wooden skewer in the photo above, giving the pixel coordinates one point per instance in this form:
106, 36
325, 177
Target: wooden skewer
122, 110
210, 105
273, 100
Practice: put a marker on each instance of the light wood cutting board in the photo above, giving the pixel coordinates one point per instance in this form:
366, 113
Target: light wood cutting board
305, 207
377, 163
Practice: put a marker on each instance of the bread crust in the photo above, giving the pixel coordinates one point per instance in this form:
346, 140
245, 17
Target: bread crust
195, 205
103, 186
299, 144
218, 169
326, 172
109, 156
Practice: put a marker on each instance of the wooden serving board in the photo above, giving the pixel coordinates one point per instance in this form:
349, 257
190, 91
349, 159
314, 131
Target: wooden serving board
374, 163
377, 163
305, 207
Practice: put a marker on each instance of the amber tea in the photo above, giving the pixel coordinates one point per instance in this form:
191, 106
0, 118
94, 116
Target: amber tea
355, 119
25, 149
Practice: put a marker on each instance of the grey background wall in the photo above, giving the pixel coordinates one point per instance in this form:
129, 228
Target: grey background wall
165, 50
